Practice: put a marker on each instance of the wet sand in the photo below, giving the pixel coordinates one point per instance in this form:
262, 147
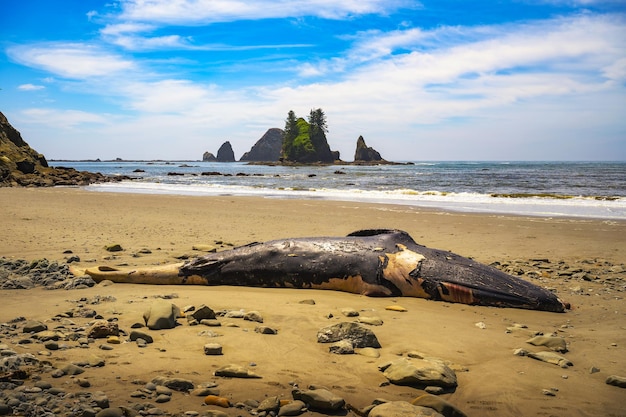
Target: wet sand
45, 223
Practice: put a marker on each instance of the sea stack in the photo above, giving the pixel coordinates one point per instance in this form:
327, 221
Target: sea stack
364, 153
266, 149
225, 153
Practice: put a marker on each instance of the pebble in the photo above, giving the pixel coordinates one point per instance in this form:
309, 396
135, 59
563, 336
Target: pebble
396, 308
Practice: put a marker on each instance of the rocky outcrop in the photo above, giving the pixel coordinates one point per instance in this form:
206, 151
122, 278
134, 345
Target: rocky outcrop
306, 143
266, 149
208, 157
225, 153
364, 153
20, 165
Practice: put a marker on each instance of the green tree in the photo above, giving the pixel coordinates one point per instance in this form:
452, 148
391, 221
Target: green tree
291, 131
317, 120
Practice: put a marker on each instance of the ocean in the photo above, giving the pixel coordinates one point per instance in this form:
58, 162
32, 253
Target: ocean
548, 189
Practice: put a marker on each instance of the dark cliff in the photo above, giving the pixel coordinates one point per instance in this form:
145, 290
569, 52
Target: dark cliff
20, 165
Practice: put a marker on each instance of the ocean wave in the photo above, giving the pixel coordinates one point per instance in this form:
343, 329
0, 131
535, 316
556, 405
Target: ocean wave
529, 204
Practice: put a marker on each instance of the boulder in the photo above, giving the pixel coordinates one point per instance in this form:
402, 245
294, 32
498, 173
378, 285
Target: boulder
161, 314
420, 373
102, 328
357, 334
203, 312
319, 399
34, 326
267, 149
225, 153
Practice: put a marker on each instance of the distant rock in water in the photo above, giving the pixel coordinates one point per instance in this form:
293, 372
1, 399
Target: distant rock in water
225, 153
364, 153
266, 149
208, 157
20, 165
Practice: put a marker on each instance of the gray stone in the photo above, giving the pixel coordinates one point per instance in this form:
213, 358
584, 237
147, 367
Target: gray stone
234, 314
402, 409
136, 334
163, 390
420, 373
203, 312
359, 335
101, 399
162, 398
160, 315
51, 345
269, 404
294, 408
319, 399
33, 326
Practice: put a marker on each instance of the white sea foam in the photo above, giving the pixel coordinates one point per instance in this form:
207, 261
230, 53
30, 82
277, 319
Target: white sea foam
581, 207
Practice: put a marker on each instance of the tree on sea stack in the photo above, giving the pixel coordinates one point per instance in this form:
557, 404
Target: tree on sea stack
306, 142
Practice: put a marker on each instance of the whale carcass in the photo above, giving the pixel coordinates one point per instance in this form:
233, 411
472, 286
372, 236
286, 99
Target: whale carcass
368, 262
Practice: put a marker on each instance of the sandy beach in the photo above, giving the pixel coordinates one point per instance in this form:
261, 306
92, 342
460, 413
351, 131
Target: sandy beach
159, 229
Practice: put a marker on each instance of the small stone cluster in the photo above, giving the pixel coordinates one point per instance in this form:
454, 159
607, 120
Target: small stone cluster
546, 273
52, 275
28, 387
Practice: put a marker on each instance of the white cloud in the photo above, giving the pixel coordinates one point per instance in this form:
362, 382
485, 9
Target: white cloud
30, 87
63, 119
71, 60
211, 11
493, 82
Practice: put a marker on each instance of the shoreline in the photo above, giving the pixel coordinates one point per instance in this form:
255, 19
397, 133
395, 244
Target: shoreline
541, 206
158, 229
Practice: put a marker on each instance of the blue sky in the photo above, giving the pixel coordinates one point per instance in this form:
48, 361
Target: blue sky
419, 80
